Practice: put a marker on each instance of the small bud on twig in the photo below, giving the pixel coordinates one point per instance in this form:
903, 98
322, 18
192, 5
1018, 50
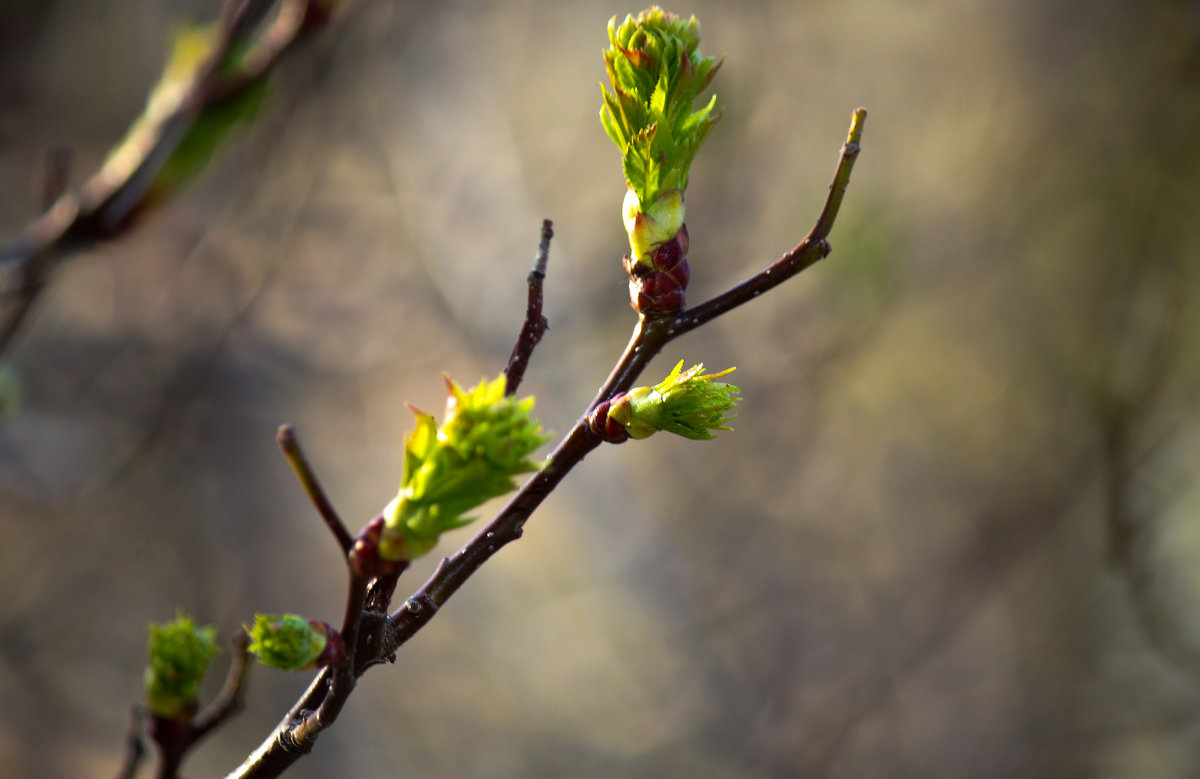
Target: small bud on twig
293, 643
686, 403
179, 654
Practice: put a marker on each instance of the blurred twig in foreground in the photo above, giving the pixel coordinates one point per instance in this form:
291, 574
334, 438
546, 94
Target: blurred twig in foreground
212, 80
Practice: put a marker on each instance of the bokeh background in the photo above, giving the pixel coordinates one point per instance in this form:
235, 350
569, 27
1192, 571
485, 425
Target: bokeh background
955, 532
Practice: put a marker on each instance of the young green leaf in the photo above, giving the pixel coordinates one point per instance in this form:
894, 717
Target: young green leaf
686, 403
484, 442
656, 73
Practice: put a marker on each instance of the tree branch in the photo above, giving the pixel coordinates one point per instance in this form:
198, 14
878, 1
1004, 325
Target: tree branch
231, 699
290, 445
135, 748
535, 325
813, 248
295, 735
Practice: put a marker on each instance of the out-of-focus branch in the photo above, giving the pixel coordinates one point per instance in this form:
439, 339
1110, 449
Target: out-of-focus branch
135, 748
231, 699
104, 206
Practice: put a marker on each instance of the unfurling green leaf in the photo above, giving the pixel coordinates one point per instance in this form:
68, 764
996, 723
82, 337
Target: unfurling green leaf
656, 73
484, 441
686, 403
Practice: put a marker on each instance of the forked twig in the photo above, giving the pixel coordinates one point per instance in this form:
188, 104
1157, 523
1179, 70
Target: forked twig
298, 731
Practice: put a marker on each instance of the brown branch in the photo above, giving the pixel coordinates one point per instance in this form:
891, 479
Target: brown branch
296, 734
290, 445
230, 701
813, 248
135, 748
535, 325
342, 675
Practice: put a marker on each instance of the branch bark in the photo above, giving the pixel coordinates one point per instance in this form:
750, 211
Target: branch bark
535, 325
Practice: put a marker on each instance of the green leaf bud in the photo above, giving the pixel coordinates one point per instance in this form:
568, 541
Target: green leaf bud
656, 73
686, 403
484, 441
652, 227
291, 642
179, 653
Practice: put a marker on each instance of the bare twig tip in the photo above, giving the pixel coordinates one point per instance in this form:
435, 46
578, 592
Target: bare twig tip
542, 259
856, 126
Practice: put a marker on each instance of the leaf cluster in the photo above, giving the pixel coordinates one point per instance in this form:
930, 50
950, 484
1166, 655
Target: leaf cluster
484, 441
179, 654
656, 73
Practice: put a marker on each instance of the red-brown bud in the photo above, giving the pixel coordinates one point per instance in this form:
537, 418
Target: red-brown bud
335, 646
656, 293
170, 732
667, 255
604, 427
364, 555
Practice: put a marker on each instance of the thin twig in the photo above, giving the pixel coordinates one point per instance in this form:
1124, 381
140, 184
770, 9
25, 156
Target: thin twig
295, 736
290, 445
813, 248
135, 748
535, 324
56, 175
231, 699
648, 338
342, 675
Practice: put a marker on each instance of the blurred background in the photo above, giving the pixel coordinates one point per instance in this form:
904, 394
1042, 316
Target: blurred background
955, 533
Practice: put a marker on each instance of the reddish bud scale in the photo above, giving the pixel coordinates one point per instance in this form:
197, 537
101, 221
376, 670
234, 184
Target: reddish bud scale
603, 426
364, 555
335, 647
656, 293
658, 287
169, 732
